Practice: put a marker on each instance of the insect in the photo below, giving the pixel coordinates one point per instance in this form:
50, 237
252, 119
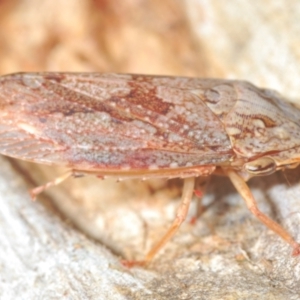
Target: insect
140, 126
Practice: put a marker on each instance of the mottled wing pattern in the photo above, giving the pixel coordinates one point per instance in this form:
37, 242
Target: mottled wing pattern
258, 121
264, 122
110, 121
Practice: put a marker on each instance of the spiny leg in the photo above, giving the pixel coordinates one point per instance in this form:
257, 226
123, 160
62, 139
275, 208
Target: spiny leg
181, 214
245, 192
39, 189
187, 194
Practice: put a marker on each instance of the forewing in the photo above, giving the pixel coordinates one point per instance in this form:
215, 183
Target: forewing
258, 121
109, 122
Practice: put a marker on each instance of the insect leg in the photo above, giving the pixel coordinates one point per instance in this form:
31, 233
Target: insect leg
200, 190
182, 211
39, 189
245, 192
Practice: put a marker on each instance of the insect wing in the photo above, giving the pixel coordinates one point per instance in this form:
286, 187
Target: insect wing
109, 122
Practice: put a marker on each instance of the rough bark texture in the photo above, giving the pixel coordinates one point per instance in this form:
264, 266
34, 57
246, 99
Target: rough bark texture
68, 244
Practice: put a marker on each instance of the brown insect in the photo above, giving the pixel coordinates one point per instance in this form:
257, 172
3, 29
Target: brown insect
133, 126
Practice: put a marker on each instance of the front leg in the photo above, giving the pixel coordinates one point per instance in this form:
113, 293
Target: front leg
245, 192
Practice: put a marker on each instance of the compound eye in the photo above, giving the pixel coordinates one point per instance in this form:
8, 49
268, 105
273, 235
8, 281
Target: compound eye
261, 166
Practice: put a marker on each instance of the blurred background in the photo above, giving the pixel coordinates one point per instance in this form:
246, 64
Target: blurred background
205, 38
256, 41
